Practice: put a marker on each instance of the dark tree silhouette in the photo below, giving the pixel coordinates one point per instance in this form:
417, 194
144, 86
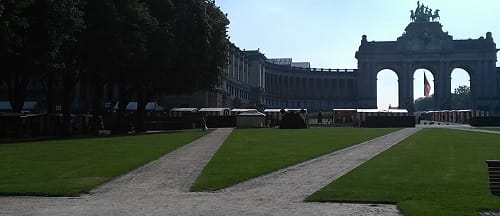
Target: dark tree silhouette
16, 36
461, 98
425, 103
145, 47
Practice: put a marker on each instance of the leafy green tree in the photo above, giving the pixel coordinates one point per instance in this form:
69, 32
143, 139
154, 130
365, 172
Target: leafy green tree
1, 8
461, 98
135, 31
188, 50
425, 103
116, 46
17, 56
98, 53
201, 47
66, 25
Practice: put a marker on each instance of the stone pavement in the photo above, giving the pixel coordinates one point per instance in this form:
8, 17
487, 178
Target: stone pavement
161, 187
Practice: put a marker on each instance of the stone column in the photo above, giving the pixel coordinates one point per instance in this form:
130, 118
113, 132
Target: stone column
367, 85
405, 85
443, 87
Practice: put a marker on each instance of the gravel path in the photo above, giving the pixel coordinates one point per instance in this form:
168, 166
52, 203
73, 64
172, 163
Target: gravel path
161, 187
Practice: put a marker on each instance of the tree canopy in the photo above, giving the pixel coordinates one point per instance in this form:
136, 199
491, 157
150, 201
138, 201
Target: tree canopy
146, 47
460, 99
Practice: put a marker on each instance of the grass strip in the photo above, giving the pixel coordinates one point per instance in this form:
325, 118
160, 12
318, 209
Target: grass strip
435, 172
73, 167
249, 153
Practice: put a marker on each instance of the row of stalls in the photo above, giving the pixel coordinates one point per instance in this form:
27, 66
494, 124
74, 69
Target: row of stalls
361, 117
274, 116
453, 116
245, 118
241, 118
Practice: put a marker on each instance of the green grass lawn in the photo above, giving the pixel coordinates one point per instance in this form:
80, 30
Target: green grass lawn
435, 172
254, 152
73, 167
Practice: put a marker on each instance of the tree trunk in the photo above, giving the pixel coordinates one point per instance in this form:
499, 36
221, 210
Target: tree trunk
122, 124
17, 88
69, 81
141, 110
97, 105
50, 93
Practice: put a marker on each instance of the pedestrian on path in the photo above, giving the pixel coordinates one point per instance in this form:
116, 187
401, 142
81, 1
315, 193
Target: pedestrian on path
203, 124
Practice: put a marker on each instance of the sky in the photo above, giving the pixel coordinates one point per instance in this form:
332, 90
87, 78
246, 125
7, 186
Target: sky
327, 33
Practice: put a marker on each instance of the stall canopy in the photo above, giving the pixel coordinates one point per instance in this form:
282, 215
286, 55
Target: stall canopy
28, 105
251, 119
150, 106
215, 111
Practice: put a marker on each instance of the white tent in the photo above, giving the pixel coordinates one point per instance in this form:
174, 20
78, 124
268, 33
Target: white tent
251, 119
132, 106
214, 111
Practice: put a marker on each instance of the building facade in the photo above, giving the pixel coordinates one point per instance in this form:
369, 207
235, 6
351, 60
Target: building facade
256, 81
252, 80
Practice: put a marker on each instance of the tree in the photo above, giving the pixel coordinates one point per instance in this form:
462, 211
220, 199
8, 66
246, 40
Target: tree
1, 8
461, 98
201, 46
187, 52
51, 43
16, 54
66, 24
116, 46
463, 89
425, 103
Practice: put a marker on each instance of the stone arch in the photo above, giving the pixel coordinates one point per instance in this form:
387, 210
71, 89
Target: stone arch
439, 54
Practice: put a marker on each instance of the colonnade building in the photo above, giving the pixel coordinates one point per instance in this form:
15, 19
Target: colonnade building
253, 80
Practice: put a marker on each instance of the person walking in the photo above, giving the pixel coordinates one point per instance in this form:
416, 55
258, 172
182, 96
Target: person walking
203, 124
320, 120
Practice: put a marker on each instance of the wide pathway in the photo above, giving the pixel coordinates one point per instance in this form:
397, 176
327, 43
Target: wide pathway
463, 127
161, 187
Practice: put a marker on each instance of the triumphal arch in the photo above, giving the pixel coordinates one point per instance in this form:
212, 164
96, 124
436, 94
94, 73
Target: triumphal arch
424, 45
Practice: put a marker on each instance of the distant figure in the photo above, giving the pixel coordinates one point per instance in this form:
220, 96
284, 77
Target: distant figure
203, 124
320, 120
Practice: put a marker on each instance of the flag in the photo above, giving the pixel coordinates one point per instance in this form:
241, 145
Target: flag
427, 87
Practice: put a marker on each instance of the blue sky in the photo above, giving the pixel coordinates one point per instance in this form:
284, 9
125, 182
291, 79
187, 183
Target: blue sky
327, 33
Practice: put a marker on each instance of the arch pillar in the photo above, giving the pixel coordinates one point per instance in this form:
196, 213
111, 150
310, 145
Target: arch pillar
406, 88
367, 85
485, 87
442, 86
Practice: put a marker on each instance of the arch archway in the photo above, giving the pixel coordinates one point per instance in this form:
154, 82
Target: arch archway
419, 83
461, 93
423, 102
387, 89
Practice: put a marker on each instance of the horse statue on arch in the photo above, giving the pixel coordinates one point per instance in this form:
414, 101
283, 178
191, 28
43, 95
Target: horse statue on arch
435, 16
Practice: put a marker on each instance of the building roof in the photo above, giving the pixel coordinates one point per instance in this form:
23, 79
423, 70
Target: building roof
132, 106
344, 109
242, 110
184, 109
28, 105
213, 109
286, 110
252, 113
382, 111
